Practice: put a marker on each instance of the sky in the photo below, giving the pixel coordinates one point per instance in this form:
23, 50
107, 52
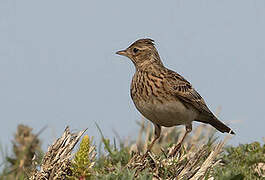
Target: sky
58, 65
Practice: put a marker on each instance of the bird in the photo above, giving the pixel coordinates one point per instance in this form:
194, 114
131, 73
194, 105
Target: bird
163, 96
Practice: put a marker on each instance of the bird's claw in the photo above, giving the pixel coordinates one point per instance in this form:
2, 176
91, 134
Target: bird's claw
175, 150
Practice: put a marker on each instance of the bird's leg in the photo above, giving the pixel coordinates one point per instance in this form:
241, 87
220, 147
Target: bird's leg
157, 135
176, 149
188, 130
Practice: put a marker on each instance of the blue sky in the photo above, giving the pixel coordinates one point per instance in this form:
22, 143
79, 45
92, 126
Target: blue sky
58, 65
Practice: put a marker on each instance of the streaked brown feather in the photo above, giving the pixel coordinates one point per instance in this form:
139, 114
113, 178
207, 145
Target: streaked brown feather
184, 91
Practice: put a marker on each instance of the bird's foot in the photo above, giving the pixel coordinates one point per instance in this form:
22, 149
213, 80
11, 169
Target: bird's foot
145, 155
175, 150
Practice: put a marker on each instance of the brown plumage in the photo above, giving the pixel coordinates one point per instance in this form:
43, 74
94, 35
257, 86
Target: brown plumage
162, 95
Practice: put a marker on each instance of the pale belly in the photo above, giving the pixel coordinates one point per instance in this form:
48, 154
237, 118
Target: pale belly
169, 114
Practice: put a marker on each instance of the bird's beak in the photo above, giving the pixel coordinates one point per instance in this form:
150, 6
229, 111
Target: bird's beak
123, 52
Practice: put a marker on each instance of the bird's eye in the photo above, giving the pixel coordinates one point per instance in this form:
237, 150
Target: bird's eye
135, 50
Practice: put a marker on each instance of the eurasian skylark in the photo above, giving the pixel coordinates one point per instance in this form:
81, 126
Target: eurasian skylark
162, 95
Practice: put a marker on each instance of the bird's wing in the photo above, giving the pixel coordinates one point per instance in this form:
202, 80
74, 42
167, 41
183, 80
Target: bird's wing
183, 90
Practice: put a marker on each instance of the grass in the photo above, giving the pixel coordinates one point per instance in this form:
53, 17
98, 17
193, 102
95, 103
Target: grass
202, 156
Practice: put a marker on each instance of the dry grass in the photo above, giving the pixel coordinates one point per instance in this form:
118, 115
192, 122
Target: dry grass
56, 162
193, 161
200, 157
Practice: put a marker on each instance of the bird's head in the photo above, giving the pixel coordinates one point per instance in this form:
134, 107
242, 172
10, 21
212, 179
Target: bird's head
142, 53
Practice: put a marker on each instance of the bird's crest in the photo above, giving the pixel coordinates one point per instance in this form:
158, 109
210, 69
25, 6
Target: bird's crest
146, 41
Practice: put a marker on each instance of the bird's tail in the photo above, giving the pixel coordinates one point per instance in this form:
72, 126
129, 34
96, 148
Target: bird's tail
216, 123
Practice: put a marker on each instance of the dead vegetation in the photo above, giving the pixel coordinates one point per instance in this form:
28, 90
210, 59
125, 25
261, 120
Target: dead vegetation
200, 157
